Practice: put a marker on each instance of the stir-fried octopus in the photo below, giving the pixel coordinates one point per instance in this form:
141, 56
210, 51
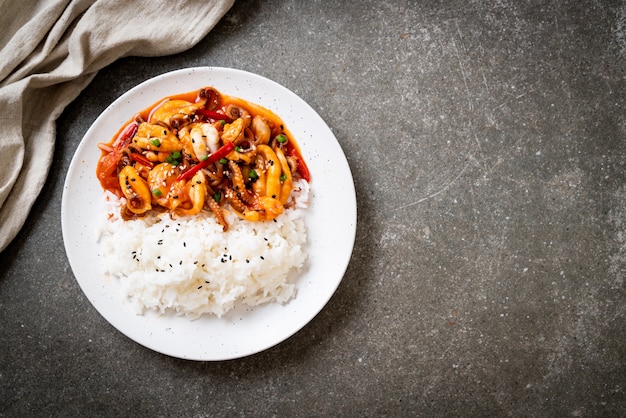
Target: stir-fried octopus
199, 152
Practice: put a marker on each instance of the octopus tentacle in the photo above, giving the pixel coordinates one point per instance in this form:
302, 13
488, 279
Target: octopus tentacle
216, 209
216, 176
234, 200
239, 185
210, 98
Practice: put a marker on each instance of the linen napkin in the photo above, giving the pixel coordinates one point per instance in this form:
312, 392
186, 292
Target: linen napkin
50, 51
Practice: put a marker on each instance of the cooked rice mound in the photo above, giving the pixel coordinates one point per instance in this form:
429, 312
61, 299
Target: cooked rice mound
191, 267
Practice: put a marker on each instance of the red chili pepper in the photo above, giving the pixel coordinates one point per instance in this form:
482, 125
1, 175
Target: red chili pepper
107, 166
141, 159
123, 139
217, 155
211, 114
302, 167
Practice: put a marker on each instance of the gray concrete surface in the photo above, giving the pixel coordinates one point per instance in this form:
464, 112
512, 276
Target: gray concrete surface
487, 145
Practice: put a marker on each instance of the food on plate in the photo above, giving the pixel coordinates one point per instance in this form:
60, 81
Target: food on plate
205, 197
198, 151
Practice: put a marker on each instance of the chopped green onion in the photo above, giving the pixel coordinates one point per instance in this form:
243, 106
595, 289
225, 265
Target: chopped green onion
283, 177
281, 138
217, 197
237, 149
223, 161
173, 158
157, 192
155, 142
205, 157
253, 175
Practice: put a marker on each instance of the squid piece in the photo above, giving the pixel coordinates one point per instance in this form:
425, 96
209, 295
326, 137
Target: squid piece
234, 132
245, 156
160, 181
285, 178
259, 185
156, 138
261, 130
273, 169
175, 113
157, 157
198, 139
264, 208
267, 200
268, 208
196, 190
135, 189
204, 138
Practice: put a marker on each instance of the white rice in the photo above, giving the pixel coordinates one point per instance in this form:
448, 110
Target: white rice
189, 266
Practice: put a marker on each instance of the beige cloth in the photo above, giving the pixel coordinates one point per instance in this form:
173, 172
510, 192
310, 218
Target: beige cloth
50, 51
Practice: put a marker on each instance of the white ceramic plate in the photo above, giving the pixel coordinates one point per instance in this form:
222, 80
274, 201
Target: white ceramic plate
331, 223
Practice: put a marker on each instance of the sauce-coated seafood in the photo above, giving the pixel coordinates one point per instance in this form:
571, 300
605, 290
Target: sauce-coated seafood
203, 151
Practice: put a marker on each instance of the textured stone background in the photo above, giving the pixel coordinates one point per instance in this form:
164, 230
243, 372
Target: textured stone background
487, 142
